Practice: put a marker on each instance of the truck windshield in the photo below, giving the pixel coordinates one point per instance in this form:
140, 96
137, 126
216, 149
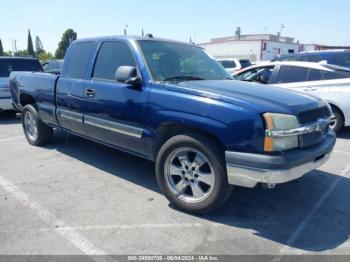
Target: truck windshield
9, 65
169, 61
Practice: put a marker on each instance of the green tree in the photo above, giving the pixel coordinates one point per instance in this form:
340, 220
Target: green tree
67, 38
22, 53
30, 48
38, 45
8, 53
45, 56
1, 49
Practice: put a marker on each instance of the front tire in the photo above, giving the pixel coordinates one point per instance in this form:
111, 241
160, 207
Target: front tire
191, 172
36, 132
338, 122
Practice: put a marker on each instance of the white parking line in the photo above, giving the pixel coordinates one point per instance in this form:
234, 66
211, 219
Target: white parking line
312, 213
72, 236
11, 138
137, 226
342, 152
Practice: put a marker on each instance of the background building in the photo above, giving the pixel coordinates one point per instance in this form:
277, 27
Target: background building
315, 47
259, 47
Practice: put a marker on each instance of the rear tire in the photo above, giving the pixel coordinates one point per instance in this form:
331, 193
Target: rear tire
338, 124
36, 132
191, 173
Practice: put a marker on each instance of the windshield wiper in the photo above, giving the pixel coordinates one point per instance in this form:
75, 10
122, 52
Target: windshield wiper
183, 78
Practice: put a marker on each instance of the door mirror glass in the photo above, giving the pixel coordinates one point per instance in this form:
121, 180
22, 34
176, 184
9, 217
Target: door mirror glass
127, 75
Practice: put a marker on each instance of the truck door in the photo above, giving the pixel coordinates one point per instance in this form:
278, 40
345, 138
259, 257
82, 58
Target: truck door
115, 112
71, 85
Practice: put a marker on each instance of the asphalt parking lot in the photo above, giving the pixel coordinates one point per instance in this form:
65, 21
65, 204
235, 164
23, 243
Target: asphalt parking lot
78, 197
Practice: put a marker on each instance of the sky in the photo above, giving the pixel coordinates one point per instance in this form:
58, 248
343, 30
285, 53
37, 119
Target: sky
309, 21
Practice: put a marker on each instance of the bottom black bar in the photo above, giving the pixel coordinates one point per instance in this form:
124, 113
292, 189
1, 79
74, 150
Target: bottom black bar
180, 258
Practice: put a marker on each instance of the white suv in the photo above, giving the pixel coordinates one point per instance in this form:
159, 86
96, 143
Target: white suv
233, 65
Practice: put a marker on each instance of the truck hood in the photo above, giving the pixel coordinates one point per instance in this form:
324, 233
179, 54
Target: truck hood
262, 98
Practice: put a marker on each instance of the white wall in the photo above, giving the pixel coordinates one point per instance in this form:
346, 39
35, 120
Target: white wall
249, 49
234, 49
309, 48
273, 47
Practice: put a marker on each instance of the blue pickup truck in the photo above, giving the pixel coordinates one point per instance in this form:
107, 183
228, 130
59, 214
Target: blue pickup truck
170, 102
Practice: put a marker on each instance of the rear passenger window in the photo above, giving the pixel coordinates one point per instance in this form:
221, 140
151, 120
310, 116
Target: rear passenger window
315, 75
292, 74
329, 75
111, 56
80, 59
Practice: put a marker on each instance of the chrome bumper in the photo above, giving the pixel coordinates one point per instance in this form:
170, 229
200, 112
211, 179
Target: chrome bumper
249, 177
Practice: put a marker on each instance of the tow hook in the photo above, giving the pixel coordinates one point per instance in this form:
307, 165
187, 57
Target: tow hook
268, 186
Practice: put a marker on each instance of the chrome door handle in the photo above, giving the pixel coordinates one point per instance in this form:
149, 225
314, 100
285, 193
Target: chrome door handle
90, 92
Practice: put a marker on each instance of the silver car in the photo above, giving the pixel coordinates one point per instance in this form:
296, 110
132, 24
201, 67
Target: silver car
7, 65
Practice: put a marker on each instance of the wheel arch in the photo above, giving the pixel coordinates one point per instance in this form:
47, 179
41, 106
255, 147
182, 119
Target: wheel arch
167, 130
25, 99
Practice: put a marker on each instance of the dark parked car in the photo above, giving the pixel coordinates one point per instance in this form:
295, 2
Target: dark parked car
53, 66
170, 102
7, 65
335, 57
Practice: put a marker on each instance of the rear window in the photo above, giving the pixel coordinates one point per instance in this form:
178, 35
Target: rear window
341, 59
228, 63
337, 74
9, 65
245, 63
80, 59
311, 58
292, 74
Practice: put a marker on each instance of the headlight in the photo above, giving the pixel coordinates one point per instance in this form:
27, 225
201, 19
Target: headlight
280, 122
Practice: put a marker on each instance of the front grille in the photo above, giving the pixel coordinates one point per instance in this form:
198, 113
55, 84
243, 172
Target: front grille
311, 117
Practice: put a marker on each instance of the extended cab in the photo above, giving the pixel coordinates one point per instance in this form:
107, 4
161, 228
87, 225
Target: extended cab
170, 102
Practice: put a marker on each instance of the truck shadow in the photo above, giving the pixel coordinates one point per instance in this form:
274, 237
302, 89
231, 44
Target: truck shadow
345, 133
273, 214
8, 119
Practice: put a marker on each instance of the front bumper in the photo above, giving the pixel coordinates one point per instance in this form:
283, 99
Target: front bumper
246, 170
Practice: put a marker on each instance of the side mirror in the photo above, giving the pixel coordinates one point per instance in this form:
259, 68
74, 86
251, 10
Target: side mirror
127, 75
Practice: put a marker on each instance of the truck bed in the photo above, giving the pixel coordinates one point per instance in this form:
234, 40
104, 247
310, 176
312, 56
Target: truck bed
34, 84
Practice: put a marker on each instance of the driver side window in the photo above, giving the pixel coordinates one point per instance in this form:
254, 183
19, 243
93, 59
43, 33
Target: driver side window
111, 56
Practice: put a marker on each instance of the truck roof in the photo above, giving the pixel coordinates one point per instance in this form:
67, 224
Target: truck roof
130, 37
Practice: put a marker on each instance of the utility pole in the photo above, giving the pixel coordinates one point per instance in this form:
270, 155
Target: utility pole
125, 30
15, 44
282, 29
